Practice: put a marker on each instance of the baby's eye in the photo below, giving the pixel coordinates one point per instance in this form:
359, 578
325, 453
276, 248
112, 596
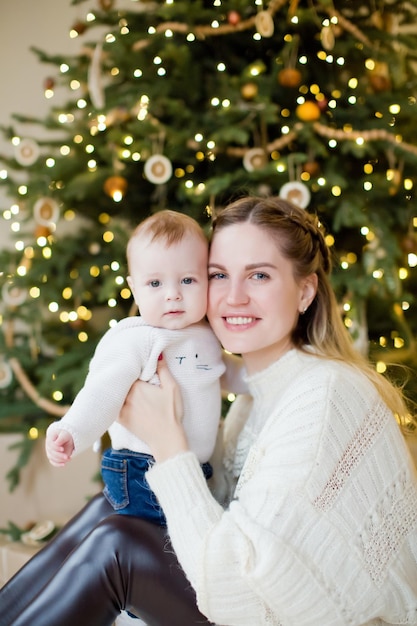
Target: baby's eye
154, 283
187, 280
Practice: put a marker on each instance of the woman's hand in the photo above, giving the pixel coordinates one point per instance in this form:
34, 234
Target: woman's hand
154, 413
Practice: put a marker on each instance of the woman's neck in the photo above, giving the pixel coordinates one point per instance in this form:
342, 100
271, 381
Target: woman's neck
259, 360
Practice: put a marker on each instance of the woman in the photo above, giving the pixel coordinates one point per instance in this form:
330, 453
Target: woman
321, 528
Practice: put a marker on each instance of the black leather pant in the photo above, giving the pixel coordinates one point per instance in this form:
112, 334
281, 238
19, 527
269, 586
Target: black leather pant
99, 564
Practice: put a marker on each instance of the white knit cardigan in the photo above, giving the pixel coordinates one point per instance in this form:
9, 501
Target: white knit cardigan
322, 527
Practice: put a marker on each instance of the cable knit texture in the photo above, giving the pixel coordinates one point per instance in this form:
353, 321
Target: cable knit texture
322, 526
130, 351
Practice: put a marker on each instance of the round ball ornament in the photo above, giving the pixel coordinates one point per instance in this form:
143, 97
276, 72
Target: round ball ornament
79, 27
46, 211
233, 17
249, 91
49, 83
409, 244
289, 77
6, 374
254, 159
158, 169
42, 231
264, 23
115, 186
308, 111
295, 192
106, 5
26, 152
379, 77
312, 168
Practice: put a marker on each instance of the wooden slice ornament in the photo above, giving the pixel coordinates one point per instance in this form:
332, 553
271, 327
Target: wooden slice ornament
264, 23
254, 159
296, 192
26, 152
46, 211
158, 169
6, 374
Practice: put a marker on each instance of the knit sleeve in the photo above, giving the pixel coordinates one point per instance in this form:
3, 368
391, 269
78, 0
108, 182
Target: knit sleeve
116, 364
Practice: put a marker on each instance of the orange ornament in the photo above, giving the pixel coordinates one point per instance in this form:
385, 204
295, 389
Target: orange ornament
115, 185
249, 91
289, 77
311, 167
379, 77
308, 111
42, 231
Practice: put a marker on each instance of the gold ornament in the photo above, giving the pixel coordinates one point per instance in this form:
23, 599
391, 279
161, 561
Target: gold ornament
308, 111
249, 91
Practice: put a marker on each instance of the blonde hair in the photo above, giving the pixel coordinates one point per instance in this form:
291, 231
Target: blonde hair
300, 238
168, 225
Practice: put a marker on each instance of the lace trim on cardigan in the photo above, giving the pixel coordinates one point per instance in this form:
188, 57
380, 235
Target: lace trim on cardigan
387, 526
350, 459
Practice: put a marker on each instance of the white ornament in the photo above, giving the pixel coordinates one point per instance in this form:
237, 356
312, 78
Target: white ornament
295, 192
158, 169
95, 86
46, 211
254, 159
13, 295
264, 23
26, 152
327, 37
6, 374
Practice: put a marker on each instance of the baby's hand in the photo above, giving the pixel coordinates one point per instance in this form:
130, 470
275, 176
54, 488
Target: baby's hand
59, 446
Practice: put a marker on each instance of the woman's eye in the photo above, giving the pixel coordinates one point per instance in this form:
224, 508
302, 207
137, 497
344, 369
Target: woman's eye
216, 276
154, 283
187, 281
260, 276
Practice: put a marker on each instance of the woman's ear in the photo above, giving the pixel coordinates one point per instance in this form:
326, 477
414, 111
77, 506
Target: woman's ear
308, 292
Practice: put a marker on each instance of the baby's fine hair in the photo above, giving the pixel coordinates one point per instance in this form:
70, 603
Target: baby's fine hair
170, 226
301, 239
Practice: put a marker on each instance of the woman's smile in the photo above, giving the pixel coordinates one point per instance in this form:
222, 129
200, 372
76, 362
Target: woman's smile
240, 321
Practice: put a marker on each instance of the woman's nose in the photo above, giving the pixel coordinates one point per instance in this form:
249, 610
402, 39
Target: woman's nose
237, 293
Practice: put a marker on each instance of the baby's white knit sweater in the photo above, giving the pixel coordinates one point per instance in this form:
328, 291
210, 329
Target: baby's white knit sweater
130, 351
322, 527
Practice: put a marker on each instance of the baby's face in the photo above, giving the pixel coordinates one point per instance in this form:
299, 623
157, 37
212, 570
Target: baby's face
169, 283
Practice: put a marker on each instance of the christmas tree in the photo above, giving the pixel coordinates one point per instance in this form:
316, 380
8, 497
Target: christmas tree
187, 105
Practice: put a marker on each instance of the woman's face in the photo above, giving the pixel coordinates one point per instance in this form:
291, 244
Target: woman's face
254, 300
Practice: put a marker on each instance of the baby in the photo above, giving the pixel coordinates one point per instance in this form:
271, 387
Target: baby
167, 261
